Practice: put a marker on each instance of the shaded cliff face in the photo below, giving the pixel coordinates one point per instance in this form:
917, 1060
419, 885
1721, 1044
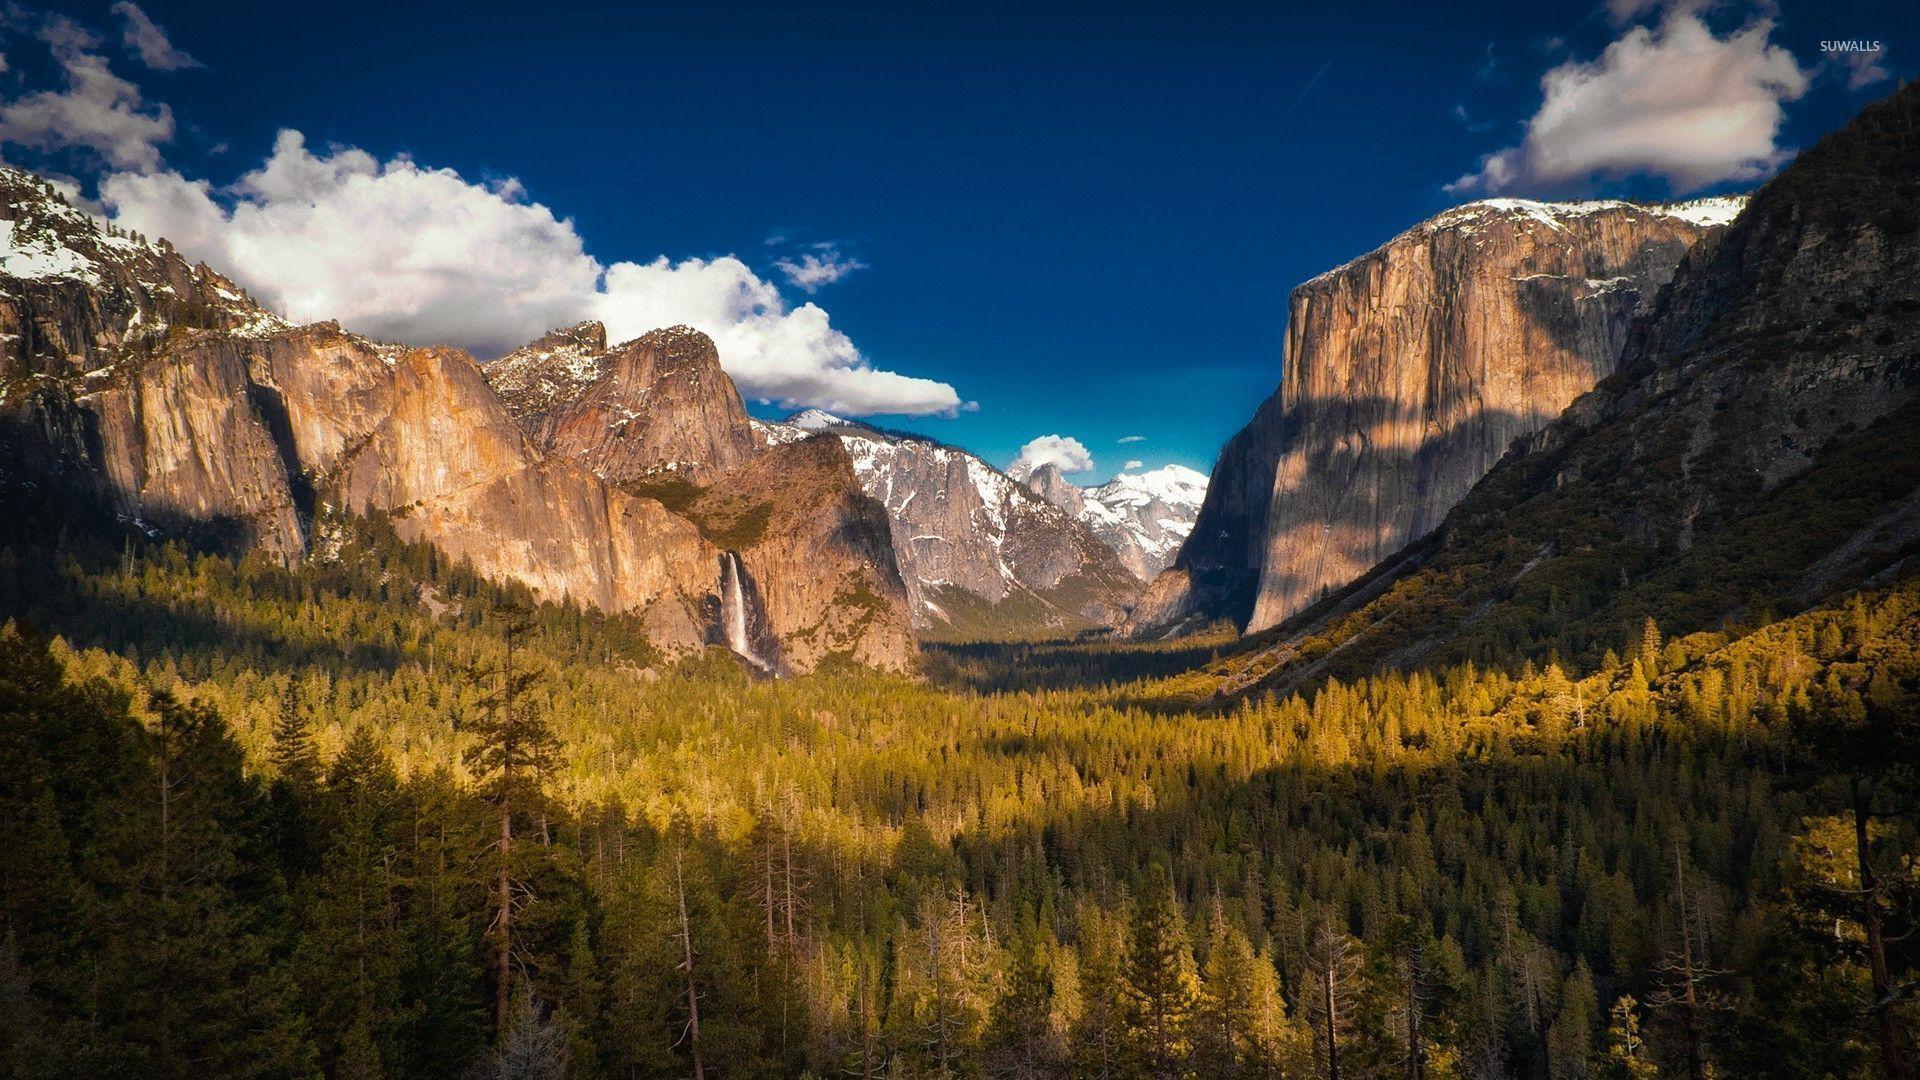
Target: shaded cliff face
1217, 569
1754, 453
980, 553
659, 404
1408, 373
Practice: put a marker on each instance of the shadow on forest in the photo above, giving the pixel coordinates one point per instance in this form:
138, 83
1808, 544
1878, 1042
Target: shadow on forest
58, 546
1447, 842
1021, 666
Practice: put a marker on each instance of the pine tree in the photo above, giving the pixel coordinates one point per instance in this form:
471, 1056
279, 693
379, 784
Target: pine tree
1159, 982
513, 746
1099, 1036
1626, 1048
1019, 1039
1237, 1024
1650, 647
1329, 989
1570, 1039
690, 1035
291, 750
533, 1045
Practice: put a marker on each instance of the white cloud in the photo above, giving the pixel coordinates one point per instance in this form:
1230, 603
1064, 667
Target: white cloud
144, 36
1673, 101
1134, 464
824, 265
97, 110
408, 253
1063, 452
392, 250
792, 356
1131, 439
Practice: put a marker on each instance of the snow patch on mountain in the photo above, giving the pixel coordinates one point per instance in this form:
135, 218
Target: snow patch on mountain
961, 526
1145, 516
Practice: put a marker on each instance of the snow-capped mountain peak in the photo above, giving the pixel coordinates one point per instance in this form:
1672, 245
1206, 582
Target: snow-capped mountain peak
815, 420
1175, 485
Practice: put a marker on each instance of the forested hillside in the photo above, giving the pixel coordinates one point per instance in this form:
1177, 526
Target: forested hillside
258, 831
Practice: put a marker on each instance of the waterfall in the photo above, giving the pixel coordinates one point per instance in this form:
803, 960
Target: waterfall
733, 611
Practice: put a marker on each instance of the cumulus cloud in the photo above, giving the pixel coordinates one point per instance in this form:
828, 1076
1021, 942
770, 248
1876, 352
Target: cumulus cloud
393, 250
1131, 439
1135, 464
148, 41
404, 252
1063, 452
95, 111
792, 356
824, 265
1673, 101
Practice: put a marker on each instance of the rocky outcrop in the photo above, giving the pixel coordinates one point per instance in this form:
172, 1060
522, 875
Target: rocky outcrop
447, 461
1048, 483
549, 371
980, 553
1408, 373
660, 404
659, 417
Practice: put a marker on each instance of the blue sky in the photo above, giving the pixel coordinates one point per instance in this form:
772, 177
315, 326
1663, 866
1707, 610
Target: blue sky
1083, 219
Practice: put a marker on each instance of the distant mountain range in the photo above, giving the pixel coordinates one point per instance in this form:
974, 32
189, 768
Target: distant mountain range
984, 554
1143, 516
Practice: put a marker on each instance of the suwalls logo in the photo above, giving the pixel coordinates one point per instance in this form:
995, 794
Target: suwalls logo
1854, 45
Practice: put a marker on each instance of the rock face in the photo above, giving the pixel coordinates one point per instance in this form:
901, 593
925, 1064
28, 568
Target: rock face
659, 418
1754, 451
1048, 483
980, 553
1408, 372
659, 404
818, 552
162, 394
548, 371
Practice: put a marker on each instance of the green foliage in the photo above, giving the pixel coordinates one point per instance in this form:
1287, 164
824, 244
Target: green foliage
890, 877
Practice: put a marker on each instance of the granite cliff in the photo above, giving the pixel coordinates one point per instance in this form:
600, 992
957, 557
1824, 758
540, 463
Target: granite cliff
658, 418
1407, 374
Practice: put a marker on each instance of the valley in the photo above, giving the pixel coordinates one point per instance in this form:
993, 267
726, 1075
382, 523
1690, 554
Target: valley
1530, 692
